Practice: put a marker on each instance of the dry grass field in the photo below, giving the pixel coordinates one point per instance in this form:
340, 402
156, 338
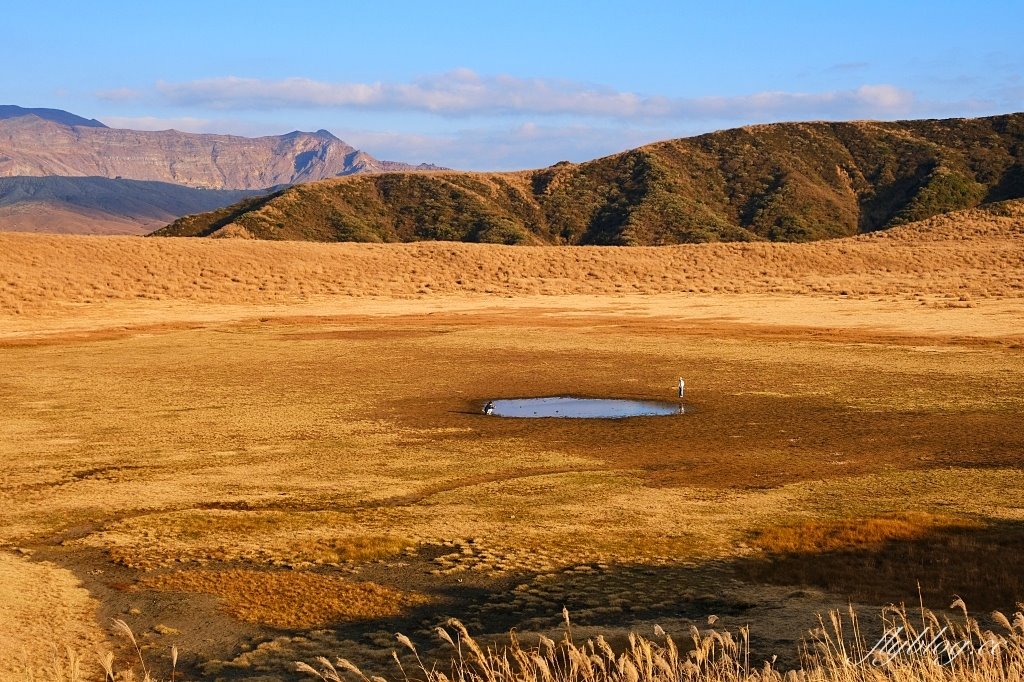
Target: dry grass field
267, 452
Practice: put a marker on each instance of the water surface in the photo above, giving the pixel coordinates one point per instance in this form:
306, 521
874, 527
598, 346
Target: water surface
584, 408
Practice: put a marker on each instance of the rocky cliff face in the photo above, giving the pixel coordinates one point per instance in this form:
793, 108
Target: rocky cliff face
34, 146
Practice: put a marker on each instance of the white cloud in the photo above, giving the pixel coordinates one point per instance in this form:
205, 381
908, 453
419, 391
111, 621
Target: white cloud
528, 145
525, 146
884, 97
464, 92
190, 124
566, 119
865, 101
187, 124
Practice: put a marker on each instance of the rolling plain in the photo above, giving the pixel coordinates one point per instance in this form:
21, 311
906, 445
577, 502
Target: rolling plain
263, 452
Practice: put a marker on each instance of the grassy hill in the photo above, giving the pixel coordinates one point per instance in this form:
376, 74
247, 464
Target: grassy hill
781, 182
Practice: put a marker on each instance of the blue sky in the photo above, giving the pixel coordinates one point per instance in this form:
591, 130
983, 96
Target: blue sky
501, 85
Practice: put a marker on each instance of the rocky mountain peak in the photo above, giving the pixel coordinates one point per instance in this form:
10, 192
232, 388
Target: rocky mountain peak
50, 142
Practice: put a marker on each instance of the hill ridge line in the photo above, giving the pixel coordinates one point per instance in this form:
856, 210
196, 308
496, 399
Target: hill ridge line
776, 182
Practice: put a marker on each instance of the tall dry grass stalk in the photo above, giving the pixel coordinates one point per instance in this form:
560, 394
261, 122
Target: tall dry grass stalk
129, 672
836, 651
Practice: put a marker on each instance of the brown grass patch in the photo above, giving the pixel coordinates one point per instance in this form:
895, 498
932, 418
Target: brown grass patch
290, 599
352, 548
281, 537
849, 534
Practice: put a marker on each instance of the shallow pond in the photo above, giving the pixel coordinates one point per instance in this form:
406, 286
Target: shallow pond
583, 408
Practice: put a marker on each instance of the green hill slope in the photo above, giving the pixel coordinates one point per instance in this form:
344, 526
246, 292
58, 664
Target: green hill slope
780, 182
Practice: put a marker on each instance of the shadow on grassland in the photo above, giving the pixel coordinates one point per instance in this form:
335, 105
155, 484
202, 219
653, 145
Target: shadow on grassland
888, 559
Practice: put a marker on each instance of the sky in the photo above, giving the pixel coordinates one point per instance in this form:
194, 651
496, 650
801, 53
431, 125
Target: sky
507, 85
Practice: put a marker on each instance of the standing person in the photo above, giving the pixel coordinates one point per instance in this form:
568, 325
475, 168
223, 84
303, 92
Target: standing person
682, 387
489, 408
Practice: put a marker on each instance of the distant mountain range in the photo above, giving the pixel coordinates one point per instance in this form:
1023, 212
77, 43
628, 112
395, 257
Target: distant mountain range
55, 115
778, 182
58, 143
50, 142
102, 205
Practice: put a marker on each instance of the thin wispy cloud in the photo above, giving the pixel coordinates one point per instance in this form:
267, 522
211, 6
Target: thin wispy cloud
121, 94
193, 124
189, 124
466, 93
504, 148
847, 67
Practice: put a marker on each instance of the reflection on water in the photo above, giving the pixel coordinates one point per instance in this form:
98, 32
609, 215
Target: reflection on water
581, 408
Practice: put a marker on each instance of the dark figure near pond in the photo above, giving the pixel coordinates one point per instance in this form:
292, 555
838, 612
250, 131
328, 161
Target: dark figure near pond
489, 407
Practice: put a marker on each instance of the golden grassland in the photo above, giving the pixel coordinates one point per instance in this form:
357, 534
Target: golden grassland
207, 459
39, 599
43, 272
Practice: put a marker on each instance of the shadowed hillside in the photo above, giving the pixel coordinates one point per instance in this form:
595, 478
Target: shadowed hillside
780, 182
56, 115
102, 205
